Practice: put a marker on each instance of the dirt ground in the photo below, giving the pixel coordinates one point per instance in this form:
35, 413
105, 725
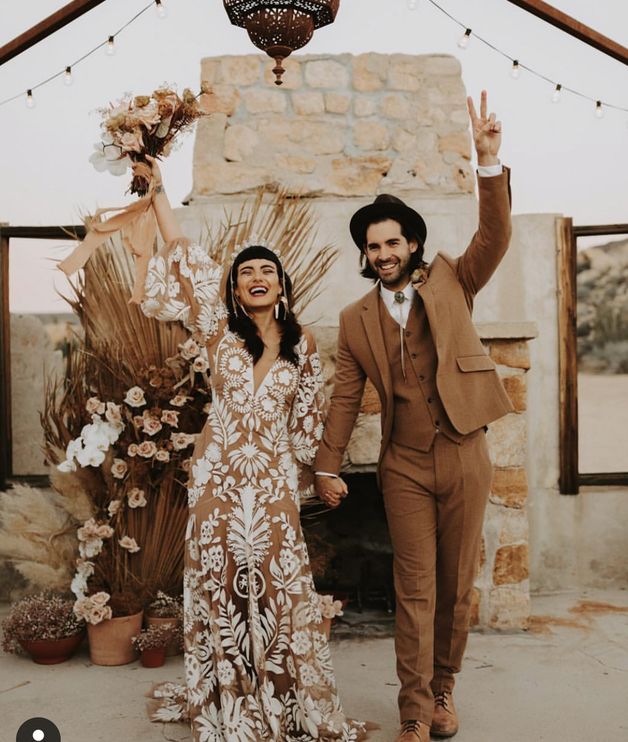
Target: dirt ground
564, 680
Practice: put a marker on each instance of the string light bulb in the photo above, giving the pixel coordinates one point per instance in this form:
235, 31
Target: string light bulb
67, 76
557, 93
413, 4
599, 109
111, 46
30, 101
160, 9
516, 70
463, 43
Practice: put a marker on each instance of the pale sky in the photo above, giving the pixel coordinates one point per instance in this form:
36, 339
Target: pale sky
564, 160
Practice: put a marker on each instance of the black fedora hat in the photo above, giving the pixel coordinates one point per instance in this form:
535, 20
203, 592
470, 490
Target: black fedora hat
384, 206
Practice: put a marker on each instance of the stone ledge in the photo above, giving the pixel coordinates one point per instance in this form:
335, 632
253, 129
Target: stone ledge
507, 330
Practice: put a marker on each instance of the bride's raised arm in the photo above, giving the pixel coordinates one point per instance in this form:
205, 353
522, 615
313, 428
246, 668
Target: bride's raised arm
182, 283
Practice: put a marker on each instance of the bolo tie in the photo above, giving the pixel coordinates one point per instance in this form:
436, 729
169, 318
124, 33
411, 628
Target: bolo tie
400, 297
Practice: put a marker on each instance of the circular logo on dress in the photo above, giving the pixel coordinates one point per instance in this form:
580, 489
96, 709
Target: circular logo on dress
38, 729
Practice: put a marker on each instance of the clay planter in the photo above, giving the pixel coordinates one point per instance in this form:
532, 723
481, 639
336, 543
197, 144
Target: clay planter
325, 625
153, 657
110, 640
172, 649
52, 651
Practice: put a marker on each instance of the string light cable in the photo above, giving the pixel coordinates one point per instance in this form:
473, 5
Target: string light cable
517, 66
67, 71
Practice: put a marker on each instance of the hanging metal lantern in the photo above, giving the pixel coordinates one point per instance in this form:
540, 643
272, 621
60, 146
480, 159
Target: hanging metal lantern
278, 27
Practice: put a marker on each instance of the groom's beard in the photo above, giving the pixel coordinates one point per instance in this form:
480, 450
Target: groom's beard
396, 275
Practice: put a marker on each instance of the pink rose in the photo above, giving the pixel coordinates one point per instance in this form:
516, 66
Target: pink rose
181, 440
162, 455
98, 614
132, 449
170, 417
113, 507
135, 397
147, 449
131, 141
152, 425
119, 468
190, 349
136, 498
179, 400
100, 599
200, 364
94, 406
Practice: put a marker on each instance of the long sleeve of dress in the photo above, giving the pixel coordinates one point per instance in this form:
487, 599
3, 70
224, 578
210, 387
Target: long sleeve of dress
307, 415
183, 283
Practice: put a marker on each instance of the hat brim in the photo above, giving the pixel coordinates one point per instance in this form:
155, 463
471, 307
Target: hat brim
377, 211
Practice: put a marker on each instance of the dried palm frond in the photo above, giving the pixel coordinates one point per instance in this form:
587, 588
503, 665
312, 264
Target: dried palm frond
287, 223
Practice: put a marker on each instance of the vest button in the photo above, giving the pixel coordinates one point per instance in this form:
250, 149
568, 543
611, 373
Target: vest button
421, 377
429, 400
414, 356
437, 423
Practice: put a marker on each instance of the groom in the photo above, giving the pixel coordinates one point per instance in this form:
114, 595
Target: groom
413, 337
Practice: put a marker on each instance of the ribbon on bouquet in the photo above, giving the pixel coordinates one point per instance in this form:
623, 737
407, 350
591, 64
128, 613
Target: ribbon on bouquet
138, 228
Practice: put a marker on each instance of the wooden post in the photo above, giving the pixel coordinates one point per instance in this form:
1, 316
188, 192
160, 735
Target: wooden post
47, 27
6, 464
567, 356
573, 27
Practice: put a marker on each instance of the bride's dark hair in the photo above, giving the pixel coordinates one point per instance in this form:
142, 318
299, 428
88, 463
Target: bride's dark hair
243, 325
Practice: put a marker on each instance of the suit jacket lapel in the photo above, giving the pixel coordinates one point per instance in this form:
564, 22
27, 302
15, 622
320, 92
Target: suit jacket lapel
375, 337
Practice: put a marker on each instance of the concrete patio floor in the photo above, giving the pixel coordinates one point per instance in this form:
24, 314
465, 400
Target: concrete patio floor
564, 680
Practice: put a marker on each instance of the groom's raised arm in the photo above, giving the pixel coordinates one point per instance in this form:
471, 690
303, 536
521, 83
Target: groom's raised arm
344, 408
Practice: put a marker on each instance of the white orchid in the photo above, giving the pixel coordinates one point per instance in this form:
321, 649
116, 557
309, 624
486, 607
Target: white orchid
107, 157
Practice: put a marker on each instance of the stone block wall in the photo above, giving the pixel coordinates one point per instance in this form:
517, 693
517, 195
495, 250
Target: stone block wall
339, 126
501, 597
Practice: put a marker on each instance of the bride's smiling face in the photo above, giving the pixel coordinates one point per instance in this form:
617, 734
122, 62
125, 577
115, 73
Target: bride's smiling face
258, 285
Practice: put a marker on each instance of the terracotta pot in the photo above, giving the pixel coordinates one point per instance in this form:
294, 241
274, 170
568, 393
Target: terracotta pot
52, 651
110, 640
153, 657
325, 625
173, 648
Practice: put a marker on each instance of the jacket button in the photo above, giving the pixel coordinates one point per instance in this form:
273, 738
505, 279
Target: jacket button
437, 423
421, 377
429, 400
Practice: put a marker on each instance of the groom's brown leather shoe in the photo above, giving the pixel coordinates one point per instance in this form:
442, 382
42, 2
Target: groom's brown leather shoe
413, 731
445, 719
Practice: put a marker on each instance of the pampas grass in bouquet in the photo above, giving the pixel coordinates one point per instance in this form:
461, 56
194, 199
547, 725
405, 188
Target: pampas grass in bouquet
141, 125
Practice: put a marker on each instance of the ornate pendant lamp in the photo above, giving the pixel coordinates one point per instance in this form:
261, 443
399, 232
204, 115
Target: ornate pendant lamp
278, 27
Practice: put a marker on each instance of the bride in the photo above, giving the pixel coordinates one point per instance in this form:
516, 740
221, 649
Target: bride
257, 666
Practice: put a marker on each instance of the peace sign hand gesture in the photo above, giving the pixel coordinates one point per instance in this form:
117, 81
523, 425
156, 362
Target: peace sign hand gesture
487, 132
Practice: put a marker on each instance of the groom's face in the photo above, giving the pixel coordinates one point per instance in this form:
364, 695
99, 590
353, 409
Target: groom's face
389, 253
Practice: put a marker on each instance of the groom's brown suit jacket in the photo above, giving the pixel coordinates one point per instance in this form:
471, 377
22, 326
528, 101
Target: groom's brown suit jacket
466, 378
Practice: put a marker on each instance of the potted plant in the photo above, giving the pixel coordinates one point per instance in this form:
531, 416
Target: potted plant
166, 610
329, 609
151, 643
45, 626
112, 621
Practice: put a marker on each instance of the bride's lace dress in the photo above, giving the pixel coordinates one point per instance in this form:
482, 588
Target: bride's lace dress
257, 666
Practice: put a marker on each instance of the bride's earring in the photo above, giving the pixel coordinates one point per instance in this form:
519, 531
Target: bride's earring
277, 310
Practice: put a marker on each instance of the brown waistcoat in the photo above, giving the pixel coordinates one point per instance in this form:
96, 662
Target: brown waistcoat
418, 414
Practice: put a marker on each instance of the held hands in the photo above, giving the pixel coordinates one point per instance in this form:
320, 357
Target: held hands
331, 490
487, 132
